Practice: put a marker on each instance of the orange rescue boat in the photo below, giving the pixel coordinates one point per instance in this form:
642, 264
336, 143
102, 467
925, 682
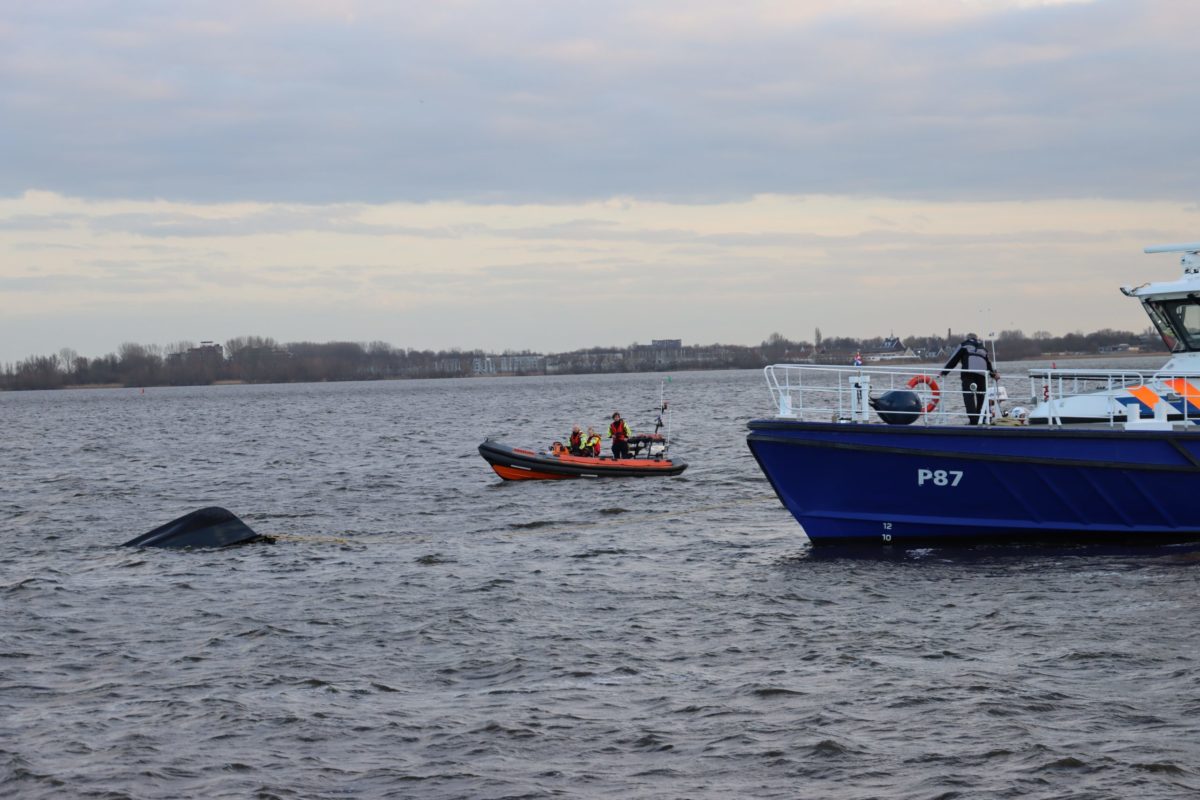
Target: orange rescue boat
648, 458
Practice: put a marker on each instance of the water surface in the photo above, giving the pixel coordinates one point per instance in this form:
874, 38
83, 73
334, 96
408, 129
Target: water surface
426, 630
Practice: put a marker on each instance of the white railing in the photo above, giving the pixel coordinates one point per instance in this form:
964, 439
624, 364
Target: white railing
841, 394
816, 392
1128, 397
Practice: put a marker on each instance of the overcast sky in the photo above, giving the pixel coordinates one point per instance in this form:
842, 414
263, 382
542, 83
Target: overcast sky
551, 175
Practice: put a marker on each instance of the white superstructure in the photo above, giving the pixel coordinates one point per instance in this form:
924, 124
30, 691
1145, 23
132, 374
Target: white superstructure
1134, 399
1174, 309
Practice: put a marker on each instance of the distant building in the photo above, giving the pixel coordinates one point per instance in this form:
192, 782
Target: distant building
521, 365
525, 364
891, 350
208, 353
659, 354
585, 361
448, 366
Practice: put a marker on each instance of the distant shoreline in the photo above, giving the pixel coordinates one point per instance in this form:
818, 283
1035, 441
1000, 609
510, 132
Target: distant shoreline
1076, 356
1000, 359
1050, 358
260, 360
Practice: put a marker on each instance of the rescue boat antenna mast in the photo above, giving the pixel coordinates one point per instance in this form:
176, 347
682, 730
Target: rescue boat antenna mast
992, 337
662, 406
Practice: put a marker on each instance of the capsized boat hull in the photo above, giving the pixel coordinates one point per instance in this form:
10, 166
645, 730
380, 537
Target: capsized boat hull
206, 527
519, 464
887, 484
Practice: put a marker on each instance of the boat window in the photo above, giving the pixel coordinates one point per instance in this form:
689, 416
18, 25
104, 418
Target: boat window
1163, 326
1182, 317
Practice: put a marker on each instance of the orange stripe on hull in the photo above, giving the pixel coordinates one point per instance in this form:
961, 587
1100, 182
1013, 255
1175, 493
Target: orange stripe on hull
1186, 390
513, 474
1145, 394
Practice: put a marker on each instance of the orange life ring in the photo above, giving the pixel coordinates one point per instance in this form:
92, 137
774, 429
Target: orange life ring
935, 394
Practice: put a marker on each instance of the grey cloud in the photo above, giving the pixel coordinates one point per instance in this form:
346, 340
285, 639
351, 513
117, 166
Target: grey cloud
115, 277
39, 222
40, 247
38, 283
526, 101
107, 281
274, 220
420, 280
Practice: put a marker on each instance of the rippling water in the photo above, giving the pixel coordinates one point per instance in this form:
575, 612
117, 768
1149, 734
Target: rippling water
426, 630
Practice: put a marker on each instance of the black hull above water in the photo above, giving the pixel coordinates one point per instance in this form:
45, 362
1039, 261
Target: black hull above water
206, 527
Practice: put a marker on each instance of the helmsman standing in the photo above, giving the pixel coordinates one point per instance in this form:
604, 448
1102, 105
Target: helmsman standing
972, 356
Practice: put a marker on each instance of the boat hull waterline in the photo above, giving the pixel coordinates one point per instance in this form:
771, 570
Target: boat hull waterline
519, 464
880, 484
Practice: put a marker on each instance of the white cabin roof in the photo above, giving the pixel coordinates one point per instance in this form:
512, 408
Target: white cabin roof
1188, 283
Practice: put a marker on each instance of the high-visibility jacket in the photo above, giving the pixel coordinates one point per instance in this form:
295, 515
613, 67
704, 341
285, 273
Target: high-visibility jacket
592, 444
576, 440
619, 430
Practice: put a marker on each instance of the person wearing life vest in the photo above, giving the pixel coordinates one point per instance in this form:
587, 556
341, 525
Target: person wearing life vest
591, 443
973, 358
619, 432
575, 443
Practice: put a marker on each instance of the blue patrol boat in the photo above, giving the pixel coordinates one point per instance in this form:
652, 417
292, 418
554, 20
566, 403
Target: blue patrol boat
884, 455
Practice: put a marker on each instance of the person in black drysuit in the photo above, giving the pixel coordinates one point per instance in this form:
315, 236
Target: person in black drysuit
972, 356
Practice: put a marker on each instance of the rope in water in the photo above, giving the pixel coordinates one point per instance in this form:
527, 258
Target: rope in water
615, 520
611, 520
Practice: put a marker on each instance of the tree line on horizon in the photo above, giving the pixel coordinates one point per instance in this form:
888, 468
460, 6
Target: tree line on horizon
1010, 345
256, 359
